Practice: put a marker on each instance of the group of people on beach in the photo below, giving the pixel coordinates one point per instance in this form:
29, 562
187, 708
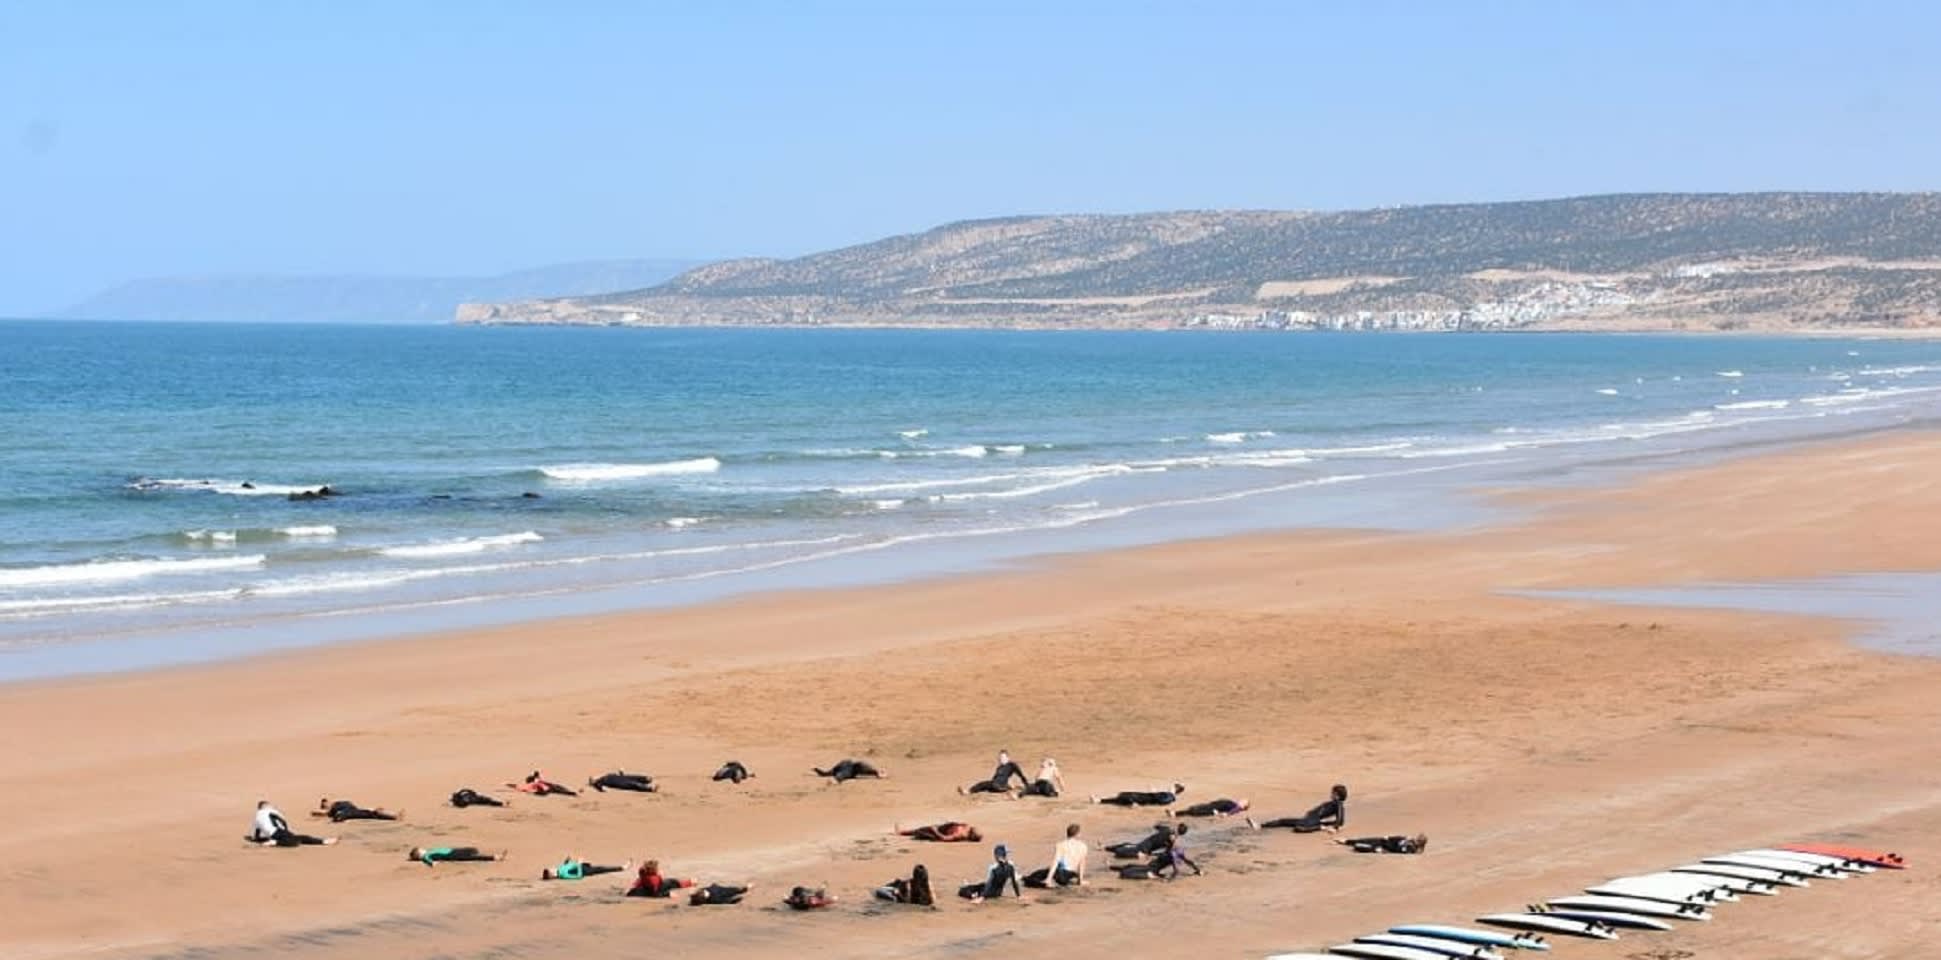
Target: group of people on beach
1161, 854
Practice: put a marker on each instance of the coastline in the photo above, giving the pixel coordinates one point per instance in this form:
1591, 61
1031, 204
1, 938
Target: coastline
1262, 665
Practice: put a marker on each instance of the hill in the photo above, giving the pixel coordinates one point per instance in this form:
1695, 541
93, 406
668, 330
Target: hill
1635, 261
358, 299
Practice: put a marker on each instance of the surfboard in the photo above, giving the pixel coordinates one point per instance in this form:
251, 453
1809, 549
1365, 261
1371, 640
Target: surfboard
1521, 941
1720, 888
1774, 863
1435, 945
1609, 918
1547, 924
1383, 951
1844, 863
1784, 878
1872, 858
1641, 907
1663, 893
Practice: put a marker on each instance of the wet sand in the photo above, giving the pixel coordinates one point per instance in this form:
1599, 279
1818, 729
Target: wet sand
1543, 745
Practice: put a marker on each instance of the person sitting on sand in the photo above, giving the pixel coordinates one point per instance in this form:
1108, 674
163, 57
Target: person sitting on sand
622, 780
1048, 783
1222, 807
1144, 798
805, 898
950, 831
573, 868
1000, 874
1390, 844
539, 786
430, 856
468, 797
1067, 863
718, 894
271, 830
341, 810
914, 891
650, 883
1162, 834
849, 770
733, 772
1163, 865
1000, 781
1330, 815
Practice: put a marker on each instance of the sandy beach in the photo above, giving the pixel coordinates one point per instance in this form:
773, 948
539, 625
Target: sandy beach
1543, 745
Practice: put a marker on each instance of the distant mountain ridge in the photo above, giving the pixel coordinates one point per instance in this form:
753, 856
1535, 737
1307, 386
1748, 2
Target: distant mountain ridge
1649, 261
357, 298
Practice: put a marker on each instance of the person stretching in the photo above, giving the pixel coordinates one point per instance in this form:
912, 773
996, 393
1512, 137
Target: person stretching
1000, 874
914, 891
1161, 835
950, 831
573, 868
1212, 808
1330, 815
431, 856
539, 786
849, 770
718, 894
341, 810
1067, 863
271, 830
622, 780
1000, 781
1048, 783
468, 797
806, 898
650, 883
1391, 844
1147, 798
1166, 861
733, 772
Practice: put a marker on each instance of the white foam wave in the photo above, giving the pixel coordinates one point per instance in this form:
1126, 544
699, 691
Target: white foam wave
234, 488
1730, 374
886, 504
456, 548
1905, 371
312, 532
970, 451
211, 536
1009, 449
1238, 436
599, 472
1754, 405
109, 571
680, 523
1608, 392
1011, 493
916, 434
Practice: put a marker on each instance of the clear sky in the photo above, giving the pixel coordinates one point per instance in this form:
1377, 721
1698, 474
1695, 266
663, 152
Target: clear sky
146, 139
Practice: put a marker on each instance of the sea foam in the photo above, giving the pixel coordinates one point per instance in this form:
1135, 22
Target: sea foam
603, 472
108, 571
457, 548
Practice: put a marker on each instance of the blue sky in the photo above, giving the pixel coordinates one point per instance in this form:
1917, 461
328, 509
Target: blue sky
147, 139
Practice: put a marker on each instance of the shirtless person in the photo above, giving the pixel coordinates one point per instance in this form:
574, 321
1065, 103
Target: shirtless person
950, 831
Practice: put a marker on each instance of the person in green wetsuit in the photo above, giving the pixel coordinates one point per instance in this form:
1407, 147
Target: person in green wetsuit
431, 856
573, 868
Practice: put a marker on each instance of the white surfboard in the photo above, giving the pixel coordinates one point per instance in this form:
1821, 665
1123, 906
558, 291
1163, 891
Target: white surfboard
1435, 945
1737, 885
1383, 951
1536, 921
1843, 863
1769, 863
1441, 931
1723, 889
1644, 908
1610, 918
1662, 894
1783, 878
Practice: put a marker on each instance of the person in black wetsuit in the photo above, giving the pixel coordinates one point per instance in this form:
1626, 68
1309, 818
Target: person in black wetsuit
1137, 798
1222, 807
622, 780
1164, 863
1390, 844
849, 770
1001, 874
733, 772
914, 891
1000, 781
1161, 835
271, 830
717, 894
341, 810
468, 797
1330, 815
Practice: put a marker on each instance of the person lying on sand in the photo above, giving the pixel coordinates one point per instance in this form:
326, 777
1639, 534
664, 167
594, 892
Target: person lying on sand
1222, 807
1067, 863
573, 868
1391, 844
1048, 783
650, 883
1330, 815
1000, 874
1000, 781
468, 797
341, 810
733, 772
1163, 865
849, 770
718, 894
914, 891
539, 786
950, 831
622, 780
270, 829
1147, 798
1162, 834
804, 898
430, 856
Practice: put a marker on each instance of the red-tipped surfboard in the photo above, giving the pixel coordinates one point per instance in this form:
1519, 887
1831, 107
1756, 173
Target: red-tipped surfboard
1872, 858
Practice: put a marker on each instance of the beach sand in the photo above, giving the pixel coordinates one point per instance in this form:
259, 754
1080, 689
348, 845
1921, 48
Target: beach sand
1543, 745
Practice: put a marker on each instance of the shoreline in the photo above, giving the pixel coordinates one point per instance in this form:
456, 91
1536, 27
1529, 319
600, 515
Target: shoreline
1263, 665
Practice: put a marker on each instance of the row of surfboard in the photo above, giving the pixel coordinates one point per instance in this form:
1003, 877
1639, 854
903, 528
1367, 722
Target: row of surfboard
1653, 901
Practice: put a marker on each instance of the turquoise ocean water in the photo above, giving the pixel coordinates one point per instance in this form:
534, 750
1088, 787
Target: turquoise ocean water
486, 474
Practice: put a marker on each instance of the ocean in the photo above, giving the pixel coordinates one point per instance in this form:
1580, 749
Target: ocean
480, 475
